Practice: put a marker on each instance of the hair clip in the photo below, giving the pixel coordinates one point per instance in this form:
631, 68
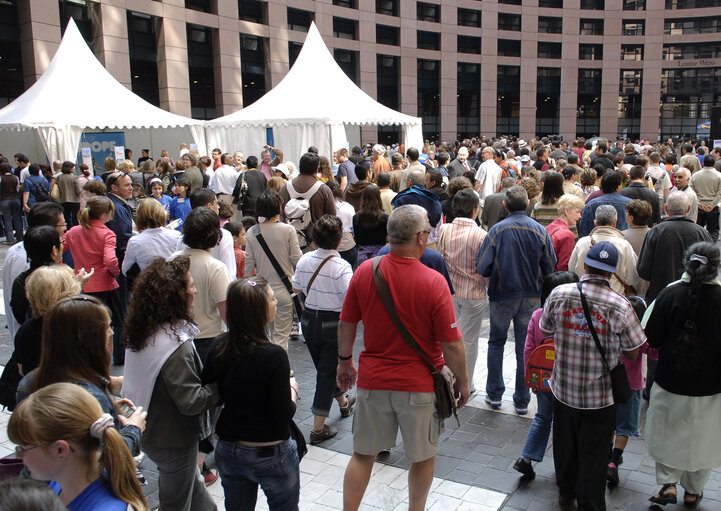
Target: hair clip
252, 283
701, 259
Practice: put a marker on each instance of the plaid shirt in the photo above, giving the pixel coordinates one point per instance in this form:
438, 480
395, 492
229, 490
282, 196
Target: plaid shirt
580, 379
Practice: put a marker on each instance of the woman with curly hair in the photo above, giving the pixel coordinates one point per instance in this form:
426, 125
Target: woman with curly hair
162, 374
63, 436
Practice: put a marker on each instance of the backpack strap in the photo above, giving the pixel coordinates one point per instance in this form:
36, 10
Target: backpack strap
305, 195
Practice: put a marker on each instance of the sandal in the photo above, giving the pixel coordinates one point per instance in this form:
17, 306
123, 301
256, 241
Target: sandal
692, 504
664, 497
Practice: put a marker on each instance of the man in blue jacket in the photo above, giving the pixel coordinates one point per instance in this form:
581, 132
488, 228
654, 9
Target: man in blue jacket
611, 186
516, 255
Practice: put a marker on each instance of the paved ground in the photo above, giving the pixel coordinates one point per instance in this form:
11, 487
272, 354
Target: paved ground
473, 468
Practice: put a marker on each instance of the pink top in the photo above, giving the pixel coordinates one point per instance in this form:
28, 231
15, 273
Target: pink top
535, 337
94, 248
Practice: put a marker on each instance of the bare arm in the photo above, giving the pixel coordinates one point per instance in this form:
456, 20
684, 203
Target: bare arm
631, 355
343, 182
455, 355
221, 310
347, 374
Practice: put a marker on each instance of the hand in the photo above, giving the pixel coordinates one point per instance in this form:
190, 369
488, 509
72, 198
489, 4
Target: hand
26, 208
461, 391
116, 383
266, 146
137, 419
83, 276
346, 375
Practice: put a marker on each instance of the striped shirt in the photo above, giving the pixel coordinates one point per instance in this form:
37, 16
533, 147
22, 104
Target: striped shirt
331, 284
460, 244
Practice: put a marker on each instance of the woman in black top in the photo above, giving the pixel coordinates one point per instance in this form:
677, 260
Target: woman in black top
370, 224
685, 411
252, 373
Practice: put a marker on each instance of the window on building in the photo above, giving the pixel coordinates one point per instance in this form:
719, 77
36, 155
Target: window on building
591, 27
293, 52
253, 10
691, 4
143, 49
201, 74
550, 25
299, 19
508, 90
469, 18
635, 5
710, 50
629, 103
468, 100
548, 50
593, 5
252, 67
79, 10
548, 92
590, 51
428, 40
429, 86
707, 25
687, 95
388, 94
350, 4
633, 27
554, 4
347, 60
386, 34
588, 103
510, 2
428, 12
199, 5
509, 48
345, 28
387, 7
632, 52
469, 44
12, 84
508, 21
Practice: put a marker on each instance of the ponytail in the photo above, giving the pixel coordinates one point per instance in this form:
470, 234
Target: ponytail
96, 206
120, 469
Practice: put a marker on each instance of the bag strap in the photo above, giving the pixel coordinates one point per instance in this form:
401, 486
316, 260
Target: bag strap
278, 269
384, 293
317, 271
310, 192
560, 229
591, 328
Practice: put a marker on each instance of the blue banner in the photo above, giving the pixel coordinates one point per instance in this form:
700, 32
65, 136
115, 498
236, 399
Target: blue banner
102, 145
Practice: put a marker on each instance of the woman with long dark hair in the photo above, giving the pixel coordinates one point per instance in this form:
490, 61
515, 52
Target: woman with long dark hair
252, 374
682, 423
370, 224
546, 211
162, 374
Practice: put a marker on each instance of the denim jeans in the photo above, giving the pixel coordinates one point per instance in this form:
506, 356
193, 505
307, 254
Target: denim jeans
320, 331
12, 211
469, 314
242, 468
502, 312
540, 430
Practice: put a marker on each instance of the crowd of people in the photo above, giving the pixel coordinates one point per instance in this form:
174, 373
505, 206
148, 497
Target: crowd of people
195, 273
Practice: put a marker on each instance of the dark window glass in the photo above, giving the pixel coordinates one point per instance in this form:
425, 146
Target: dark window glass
428, 40
351, 4
590, 51
348, 62
253, 10
299, 19
80, 12
509, 48
687, 95
252, 67
469, 44
429, 84
555, 4
710, 50
510, 2
293, 52
548, 50
708, 25
386, 34
508, 90
143, 49
388, 7
468, 101
509, 21
635, 5
633, 27
629, 103
345, 28
388, 89
548, 92
428, 12
198, 5
593, 5
200, 72
469, 18
12, 83
632, 52
591, 27
691, 4
550, 25
588, 101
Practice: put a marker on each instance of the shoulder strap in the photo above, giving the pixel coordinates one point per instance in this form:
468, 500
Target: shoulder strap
317, 271
276, 265
560, 229
305, 195
591, 328
384, 293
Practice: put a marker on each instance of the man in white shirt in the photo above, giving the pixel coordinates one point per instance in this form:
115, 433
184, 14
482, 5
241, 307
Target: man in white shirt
661, 179
489, 175
226, 176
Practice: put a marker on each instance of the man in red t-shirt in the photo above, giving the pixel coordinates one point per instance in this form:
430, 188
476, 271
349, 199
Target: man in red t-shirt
395, 387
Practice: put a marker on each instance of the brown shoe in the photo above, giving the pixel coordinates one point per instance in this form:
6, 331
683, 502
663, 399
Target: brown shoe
322, 435
346, 410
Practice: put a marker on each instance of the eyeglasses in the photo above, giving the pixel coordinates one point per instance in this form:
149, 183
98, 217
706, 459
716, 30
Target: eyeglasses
20, 450
427, 231
112, 178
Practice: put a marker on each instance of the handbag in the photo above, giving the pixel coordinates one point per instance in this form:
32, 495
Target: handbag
297, 435
443, 379
619, 379
298, 304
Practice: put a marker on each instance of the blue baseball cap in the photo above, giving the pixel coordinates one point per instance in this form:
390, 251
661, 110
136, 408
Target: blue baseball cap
602, 256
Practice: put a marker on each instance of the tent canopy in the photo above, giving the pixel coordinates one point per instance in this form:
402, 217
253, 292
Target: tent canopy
317, 99
77, 92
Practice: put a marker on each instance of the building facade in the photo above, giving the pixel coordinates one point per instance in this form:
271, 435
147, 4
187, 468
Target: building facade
643, 68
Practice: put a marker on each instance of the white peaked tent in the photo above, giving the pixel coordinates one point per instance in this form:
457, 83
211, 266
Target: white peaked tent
314, 104
76, 92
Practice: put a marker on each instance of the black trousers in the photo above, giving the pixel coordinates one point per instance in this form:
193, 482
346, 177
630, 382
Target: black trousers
581, 443
710, 220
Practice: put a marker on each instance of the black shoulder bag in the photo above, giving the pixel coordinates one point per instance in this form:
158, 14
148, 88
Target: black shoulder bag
619, 378
443, 379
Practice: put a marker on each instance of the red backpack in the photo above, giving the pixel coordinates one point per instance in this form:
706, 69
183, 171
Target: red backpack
540, 366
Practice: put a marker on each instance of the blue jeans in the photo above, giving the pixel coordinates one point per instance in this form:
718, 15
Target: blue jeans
242, 468
320, 331
12, 219
540, 430
502, 312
